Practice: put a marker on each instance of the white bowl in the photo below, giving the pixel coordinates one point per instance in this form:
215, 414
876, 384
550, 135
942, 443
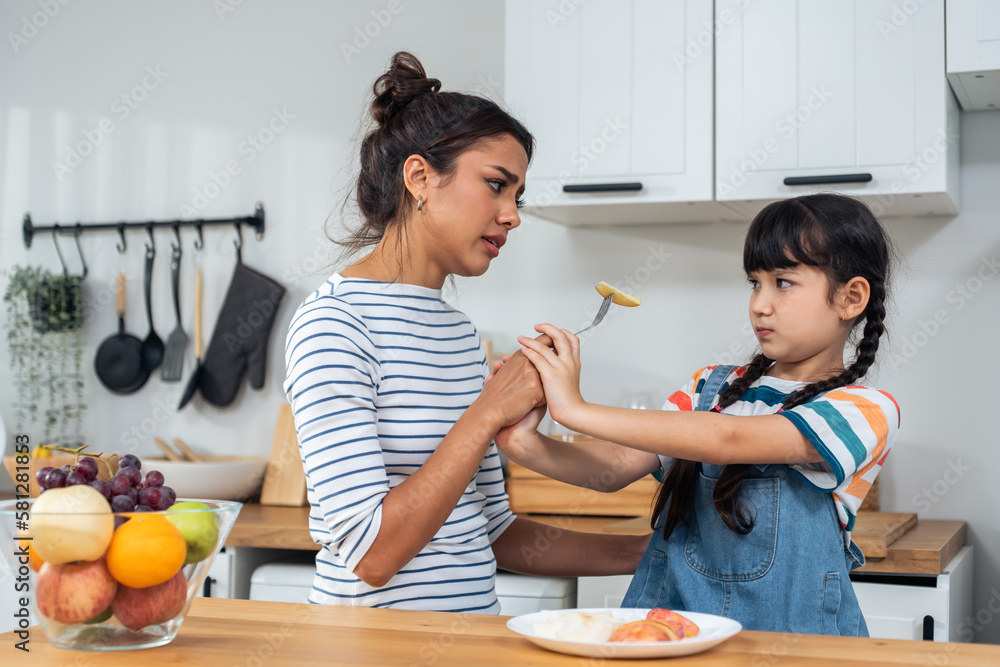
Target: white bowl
215, 478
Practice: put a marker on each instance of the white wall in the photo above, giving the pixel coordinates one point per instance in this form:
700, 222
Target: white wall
227, 73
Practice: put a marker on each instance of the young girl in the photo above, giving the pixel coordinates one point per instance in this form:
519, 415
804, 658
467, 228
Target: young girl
766, 465
386, 380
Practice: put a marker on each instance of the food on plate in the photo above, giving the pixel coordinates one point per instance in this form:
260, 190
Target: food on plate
577, 626
74, 592
617, 296
71, 523
199, 529
645, 631
685, 626
138, 607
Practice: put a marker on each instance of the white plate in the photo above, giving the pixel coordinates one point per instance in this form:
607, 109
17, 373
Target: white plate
713, 630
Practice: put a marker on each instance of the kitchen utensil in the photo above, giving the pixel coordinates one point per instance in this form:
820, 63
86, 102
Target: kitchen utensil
284, 483
118, 363
167, 450
196, 376
215, 477
173, 360
875, 532
186, 451
152, 347
602, 311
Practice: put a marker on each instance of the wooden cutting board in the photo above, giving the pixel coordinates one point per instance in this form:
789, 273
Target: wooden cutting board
874, 532
285, 481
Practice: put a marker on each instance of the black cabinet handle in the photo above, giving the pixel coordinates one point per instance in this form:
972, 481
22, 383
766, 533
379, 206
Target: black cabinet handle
823, 180
603, 187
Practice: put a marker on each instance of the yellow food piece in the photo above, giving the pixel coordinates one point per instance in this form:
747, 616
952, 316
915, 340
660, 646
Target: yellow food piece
71, 523
617, 296
40, 452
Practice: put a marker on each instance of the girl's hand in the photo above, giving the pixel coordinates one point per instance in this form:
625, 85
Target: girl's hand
515, 440
559, 370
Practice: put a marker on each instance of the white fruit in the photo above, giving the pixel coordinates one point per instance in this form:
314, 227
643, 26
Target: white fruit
618, 296
70, 524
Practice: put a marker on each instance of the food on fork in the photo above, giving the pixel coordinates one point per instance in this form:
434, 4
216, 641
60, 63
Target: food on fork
617, 296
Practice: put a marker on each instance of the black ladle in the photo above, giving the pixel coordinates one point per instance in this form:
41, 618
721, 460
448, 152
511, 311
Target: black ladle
152, 348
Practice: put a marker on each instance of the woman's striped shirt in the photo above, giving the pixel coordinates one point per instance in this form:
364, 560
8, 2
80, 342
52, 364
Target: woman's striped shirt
376, 374
853, 428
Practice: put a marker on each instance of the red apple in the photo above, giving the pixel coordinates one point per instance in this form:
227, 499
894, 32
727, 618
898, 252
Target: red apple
138, 607
644, 631
685, 626
74, 592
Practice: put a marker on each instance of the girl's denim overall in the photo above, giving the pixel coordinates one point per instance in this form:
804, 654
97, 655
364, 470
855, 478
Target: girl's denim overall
789, 574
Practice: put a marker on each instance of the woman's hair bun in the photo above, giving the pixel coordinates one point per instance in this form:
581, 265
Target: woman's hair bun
401, 84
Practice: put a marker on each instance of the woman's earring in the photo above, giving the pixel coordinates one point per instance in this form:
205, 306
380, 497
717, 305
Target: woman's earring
843, 318
420, 203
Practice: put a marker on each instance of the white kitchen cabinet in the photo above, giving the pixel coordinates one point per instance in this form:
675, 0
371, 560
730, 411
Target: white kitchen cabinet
974, 52
619, 97
846, 96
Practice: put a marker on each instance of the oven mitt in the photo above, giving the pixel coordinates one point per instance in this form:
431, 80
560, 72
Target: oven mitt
239, 342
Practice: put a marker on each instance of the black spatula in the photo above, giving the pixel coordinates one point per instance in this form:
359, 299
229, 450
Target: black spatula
196, 376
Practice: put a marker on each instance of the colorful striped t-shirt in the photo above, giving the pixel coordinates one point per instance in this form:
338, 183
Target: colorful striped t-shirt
851, 427
377, 374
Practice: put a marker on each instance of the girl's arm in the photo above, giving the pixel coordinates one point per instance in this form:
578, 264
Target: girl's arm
603, 467
528, 547
699, 436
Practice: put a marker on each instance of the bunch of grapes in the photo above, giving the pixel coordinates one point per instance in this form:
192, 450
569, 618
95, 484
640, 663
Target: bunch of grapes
127, 491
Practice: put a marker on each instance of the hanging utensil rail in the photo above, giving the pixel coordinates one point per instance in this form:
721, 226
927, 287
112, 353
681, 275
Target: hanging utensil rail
256, 221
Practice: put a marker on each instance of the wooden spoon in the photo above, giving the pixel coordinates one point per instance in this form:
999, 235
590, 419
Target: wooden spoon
167, 450
187, 451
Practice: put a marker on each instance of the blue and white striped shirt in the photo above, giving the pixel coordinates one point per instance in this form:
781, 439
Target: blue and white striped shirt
377, 373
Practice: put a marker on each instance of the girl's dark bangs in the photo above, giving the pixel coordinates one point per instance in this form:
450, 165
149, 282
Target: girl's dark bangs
780, 237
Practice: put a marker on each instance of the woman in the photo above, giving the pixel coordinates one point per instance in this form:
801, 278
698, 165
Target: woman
386, 380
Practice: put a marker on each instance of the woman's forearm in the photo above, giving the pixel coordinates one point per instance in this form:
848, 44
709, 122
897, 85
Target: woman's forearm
528, 547
414, 510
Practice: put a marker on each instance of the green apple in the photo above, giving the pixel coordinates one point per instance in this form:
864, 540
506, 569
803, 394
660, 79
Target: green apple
199, 528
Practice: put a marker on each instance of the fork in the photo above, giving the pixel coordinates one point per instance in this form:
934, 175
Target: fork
605, 305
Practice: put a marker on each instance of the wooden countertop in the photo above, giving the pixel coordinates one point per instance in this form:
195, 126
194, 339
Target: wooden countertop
244, 632
925, 549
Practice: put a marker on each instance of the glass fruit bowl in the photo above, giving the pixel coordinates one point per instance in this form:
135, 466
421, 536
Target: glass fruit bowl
99, 580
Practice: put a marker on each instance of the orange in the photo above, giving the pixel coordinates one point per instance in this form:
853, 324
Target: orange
145, 551
34, 560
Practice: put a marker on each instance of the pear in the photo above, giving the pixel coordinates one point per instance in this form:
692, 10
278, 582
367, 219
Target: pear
617, 296
71, 523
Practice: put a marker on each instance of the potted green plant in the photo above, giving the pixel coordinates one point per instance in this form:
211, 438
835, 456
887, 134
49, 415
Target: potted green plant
44, 336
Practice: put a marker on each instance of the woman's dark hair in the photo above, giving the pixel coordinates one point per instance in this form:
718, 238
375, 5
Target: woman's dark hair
838, 235
414, 118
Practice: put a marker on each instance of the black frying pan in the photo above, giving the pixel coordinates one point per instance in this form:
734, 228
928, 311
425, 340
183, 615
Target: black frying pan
119, 358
